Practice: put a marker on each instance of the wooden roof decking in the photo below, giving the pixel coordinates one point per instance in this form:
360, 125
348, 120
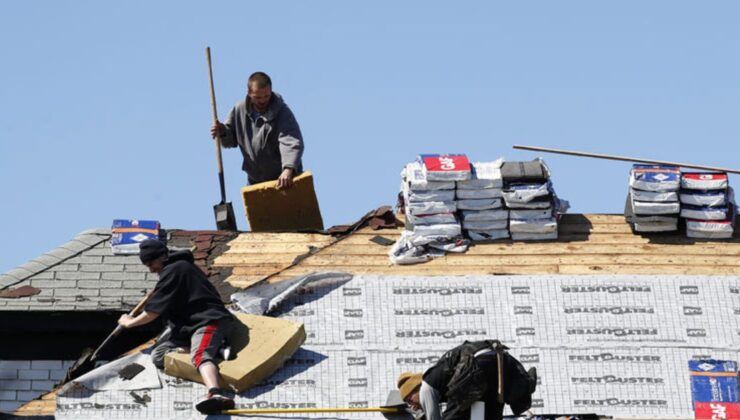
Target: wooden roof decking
588, 244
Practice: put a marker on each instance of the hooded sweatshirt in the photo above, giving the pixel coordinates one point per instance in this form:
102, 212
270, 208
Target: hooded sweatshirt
184, 297
269, 142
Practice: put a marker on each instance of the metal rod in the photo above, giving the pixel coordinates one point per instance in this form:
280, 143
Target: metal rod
624, 158
311, 410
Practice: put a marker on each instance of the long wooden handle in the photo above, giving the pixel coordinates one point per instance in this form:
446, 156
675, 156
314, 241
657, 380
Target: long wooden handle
214, 115
624, 158
136, 311
310, 410
500, 368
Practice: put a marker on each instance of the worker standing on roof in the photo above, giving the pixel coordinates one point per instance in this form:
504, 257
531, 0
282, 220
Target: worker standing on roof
267, 133
195, 314
465, 374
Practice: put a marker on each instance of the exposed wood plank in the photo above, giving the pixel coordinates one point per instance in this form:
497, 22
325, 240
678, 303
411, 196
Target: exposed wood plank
695, 270
518, 248
429, 270
330, 261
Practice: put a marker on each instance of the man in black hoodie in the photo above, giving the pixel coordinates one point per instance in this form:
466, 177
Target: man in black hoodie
195, 315
267, 133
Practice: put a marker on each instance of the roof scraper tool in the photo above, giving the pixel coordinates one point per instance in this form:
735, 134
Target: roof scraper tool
86, 362
394, 406
223, 211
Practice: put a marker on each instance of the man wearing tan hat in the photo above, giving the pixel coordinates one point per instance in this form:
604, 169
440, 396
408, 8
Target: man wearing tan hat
472, 366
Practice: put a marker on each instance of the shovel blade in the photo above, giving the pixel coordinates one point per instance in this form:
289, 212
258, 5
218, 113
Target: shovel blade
394, 401
224, 214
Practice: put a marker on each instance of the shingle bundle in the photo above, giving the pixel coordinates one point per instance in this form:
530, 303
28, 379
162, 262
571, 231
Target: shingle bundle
707, 204
531, 200
652, 202
428, 190
480, 204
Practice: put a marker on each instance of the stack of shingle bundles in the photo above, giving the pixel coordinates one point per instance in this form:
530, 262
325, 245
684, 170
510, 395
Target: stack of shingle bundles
652, 203
480, 203
428, 188
708, 205
529, 196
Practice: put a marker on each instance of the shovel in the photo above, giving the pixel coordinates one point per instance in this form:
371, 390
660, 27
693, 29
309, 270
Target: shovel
223, 211
394, 406
86, 362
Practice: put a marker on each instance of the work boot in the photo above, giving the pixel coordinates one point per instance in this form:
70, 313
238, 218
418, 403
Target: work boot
214, 402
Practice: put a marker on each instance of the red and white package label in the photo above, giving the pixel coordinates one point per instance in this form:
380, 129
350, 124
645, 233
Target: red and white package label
716, 410
446, 163
705, 176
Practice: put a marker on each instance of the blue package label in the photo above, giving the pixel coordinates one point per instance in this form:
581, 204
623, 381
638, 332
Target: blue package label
656, 173
714, 381
128, 233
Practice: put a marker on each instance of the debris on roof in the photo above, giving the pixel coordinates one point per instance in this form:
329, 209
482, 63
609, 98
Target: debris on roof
19, 292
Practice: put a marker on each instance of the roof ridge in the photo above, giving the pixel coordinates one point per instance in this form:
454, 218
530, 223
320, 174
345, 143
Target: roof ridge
83, 241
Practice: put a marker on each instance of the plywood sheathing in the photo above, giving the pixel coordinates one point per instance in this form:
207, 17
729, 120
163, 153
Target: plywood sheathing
588, 244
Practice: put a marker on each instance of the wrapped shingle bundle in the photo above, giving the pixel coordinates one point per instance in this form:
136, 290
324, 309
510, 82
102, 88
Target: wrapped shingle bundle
431, 212
708, 205
530, 198
652, 201
480, 202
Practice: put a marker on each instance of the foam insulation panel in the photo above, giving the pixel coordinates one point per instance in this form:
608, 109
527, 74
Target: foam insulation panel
294, 209
262, 344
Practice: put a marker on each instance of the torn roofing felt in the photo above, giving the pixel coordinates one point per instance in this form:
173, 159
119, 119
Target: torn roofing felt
84, 274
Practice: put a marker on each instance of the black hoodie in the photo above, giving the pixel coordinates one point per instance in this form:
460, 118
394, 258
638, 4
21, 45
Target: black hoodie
184, 297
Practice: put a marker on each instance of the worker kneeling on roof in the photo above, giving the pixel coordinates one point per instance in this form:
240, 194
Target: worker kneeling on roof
195, 315
464, 375
267, 133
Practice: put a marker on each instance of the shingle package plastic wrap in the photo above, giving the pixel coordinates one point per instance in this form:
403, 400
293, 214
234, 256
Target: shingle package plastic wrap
481, 204
530, 197
653, 192
708, 205
428, 191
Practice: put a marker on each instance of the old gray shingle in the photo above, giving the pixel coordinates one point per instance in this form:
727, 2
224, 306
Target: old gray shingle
76, 292
44, 284
86, 259
136, 268
47, 259
122, 259
77, 275
124, 276
101, 268
98, 284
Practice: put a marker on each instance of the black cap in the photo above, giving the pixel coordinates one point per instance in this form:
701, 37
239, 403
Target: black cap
151, 249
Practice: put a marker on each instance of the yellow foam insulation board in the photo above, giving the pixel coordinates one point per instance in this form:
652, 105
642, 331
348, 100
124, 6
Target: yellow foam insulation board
262, 344
289, 210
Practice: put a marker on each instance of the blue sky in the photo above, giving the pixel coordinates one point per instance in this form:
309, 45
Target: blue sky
104, 106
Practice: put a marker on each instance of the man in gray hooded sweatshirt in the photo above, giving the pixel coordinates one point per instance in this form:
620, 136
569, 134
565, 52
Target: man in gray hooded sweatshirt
267, 133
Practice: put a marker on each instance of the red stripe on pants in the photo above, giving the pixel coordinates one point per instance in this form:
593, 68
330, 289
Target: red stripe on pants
204, 343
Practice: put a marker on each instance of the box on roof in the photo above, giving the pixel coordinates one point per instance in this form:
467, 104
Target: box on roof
129, 233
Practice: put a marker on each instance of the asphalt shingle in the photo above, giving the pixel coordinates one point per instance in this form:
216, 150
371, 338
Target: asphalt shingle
82, 274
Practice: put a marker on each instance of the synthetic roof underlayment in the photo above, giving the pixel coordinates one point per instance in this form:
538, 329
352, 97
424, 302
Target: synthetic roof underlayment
588, 244
616, 345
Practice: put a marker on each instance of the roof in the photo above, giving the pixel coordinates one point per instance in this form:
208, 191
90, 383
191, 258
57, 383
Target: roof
84, 274
588, 244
